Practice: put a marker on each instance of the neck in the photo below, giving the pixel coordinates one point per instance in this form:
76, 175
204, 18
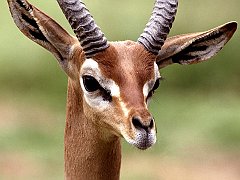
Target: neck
87, 154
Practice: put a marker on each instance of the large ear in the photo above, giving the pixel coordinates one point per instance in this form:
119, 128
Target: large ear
43, 30
196, 47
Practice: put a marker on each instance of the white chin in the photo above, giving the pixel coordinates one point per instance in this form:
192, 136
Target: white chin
143, 140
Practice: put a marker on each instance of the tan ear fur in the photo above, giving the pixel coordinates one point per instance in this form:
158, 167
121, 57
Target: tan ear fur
195, 47
43, 30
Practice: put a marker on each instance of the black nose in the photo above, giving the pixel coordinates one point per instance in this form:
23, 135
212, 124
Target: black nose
142, 125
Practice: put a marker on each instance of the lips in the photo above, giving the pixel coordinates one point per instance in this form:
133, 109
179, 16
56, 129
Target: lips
144, 140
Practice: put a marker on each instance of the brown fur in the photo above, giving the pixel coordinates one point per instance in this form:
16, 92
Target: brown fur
92, 149
130, 66
88, 154
92, 137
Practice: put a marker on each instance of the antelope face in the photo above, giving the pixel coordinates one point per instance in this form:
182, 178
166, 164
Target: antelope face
117, 85
117, 79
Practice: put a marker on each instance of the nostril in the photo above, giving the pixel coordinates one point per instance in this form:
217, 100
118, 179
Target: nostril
151, 123
137, 123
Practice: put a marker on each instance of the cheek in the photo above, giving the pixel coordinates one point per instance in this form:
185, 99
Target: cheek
107, 117
92, 112
96, 101
87, 110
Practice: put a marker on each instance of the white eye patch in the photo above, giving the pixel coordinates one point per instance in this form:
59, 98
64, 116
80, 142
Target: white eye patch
95, 99
149, 85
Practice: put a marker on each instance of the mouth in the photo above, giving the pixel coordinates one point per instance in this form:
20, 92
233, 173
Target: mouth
143, 140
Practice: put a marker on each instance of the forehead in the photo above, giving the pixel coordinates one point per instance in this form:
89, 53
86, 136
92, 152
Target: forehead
126, 61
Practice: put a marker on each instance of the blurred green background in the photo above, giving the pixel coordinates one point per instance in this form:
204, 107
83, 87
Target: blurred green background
197, 107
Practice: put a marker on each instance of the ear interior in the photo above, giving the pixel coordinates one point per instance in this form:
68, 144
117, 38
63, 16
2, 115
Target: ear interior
43, 30
196, 47
204, 46
22, 13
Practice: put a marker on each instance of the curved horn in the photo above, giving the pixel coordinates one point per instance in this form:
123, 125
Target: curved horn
88, 33
159, 25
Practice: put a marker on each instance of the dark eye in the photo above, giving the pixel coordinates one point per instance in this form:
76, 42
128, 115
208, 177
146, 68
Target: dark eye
90, 83
156, 85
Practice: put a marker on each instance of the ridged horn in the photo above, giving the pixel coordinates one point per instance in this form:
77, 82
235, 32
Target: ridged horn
88, 33
159, 25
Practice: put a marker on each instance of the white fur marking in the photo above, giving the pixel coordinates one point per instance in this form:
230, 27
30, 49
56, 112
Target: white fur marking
115, 90
124, 108
149, 85
146, 89
137, 140
156, 70
94, 99
90, 67
91, 64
